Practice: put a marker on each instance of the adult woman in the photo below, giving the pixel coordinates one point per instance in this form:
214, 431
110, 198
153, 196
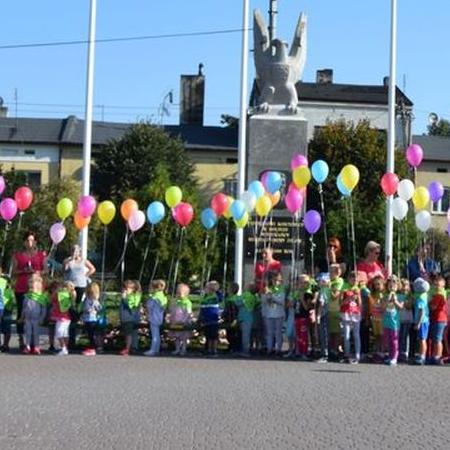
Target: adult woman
334, 253
27, 262
371, 264
267, 267
77, 270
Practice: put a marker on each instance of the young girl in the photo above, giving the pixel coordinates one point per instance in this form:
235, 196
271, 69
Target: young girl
246, 304
438, 319
322, 314
91, 308
334, 329
406, 317
180, 318
209, 317
421, 317
7, 302
230, 319
156, 306
33, 313
130, 311
302, 300
375, 312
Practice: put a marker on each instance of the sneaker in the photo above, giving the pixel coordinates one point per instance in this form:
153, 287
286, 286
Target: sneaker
150, 353
322, 360
63, 352
4, 349
124, 352
26, 350
89, 352
52, 349
391, 362
36, 351
354, 361
419, 361
175, 352
183, 353
289, 354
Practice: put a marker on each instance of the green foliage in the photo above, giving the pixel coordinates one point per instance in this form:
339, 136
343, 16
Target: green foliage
441, 128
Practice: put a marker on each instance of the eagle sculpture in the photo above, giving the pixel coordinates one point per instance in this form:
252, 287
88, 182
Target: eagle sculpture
277, 71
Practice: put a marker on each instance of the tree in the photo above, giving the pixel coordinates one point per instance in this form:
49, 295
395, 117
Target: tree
441, 128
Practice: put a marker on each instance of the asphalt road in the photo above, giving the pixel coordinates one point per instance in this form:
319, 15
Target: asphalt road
112, 402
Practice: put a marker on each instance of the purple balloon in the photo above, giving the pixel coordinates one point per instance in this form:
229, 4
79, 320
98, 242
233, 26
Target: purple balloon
298, 160
86, 206
8, 209
293, 200
414, 155
57, 232
312, 221
436, 191
2, 185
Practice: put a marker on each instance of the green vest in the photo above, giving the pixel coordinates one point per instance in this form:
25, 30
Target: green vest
64, 301
160, 297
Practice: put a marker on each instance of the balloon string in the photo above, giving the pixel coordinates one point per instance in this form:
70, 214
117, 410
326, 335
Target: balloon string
324, 222
293, 255
172, 260
255, 253
155, 267
102, 281
347, 224
311, 239
270, 227
175, 276
205, 259
121, 262
213, 248
399, 248
352, 223
147, 248
225, 256
5, 235
406, 247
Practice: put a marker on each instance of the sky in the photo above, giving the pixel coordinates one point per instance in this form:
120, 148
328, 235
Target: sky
132, 78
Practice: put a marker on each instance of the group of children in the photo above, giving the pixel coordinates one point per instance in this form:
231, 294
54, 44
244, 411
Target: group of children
323, 318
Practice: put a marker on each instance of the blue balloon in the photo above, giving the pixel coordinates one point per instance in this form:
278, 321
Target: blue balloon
238, 209
257, 188
320, 171
273, 182
155, 212
208, 218
342, 188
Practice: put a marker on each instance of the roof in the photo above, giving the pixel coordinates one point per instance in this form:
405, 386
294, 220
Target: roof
435, 148
69, 131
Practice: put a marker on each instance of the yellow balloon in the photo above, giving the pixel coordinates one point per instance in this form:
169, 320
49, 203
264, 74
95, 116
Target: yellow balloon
106, 212
173, 196
421, 197
64, 208
350, 176
242, 222
301, 176
227, 214
263, 205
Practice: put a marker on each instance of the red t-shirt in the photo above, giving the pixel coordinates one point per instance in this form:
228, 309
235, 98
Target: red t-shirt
438, 308
24, 261
372, 269
262, 270
55, 310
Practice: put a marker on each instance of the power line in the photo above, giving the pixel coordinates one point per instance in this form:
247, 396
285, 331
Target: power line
121, 39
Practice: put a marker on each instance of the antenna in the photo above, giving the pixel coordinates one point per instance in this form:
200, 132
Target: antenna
163, 109
433, 119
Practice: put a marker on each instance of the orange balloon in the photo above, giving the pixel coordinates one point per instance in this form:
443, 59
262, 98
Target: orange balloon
80, 221
128, 207
274, 198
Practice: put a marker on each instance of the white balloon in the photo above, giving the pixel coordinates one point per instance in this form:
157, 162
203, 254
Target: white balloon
249, 199
406, 189
399, 208
423, 220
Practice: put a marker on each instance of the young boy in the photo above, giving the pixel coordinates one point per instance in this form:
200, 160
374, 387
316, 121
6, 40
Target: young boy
438, 318
209, 317
421, 317
334, 330
246, 304
230, 317
156, 305
7, 304
130, 311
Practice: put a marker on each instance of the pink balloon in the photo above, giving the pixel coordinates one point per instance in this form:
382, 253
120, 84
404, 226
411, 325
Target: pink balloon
23, 197
8, 209
298, 160
414, 155
389, 183
57, 232
183, 214
136, 220
293, 200
219, 203
2, 185
86, 206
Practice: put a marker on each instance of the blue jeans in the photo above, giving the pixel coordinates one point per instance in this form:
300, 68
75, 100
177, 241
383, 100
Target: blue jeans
156, 338
246, 332
274, 331
323, 335
404, 339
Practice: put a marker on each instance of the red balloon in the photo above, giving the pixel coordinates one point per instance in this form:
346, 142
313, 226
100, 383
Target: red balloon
183, 214
389, 183
219, 203
23, 197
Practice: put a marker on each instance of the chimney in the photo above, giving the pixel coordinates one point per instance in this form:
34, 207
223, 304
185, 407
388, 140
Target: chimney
324, 76
386, 81
192, 98
3, 109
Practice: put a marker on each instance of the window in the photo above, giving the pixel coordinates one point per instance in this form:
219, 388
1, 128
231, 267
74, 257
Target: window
30, 152
230, 186
441, 170
33, 179
442, 206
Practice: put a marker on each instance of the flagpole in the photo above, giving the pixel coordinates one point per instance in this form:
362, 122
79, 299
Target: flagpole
239, 240
390, 163
87, 136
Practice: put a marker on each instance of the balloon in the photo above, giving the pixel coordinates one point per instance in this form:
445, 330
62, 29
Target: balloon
242, 223
414, 155
436, 191
263, 206
227, 214
127, 208
301, 176
274, 198
423, 220
23, 197
86, 206
320, 171
57, 232
249, 199
343, 189
350, 176
183, 214
293, 200
399, 208
2, 185
406, 189
80, 221
272, 182
208, 218
136, 220
421, 197
220, 203
173, 196
257, 188
298, 160
312, 221
8, 209
237, 209
389, 183
106, 212
64, 208
155, 212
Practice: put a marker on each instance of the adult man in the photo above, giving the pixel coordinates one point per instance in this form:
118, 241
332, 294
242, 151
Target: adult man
422, 265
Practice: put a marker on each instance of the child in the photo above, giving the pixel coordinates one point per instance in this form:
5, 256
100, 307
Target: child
156, 305
180, 318
375, 315
391, 320
438, 315
446, 333
7, 304
33, 313
322, 314
406, 317
290, 324
421, 317
130, 311
364, 327
230, 318
91, 307
302, 299
246, 304
334, 329
209, 317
